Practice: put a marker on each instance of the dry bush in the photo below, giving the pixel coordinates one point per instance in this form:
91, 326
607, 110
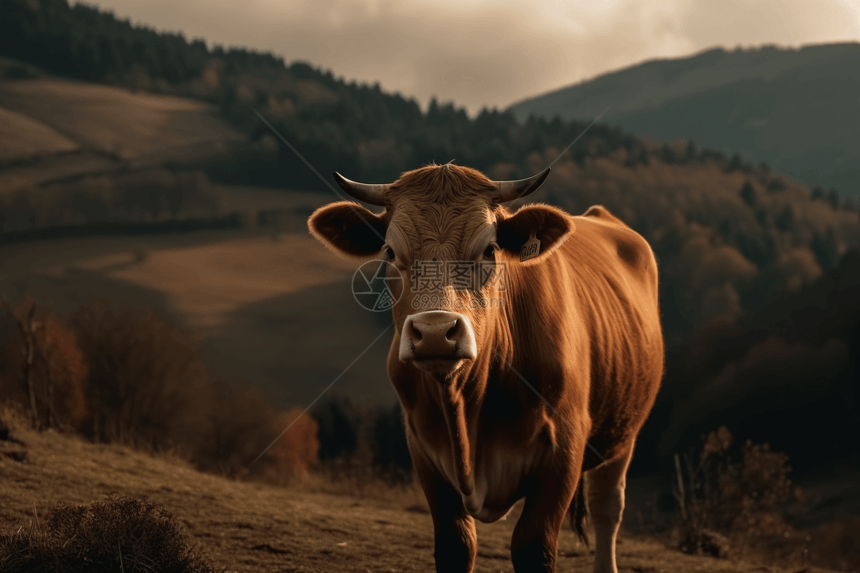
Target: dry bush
143, 377
363, 453
340, 428
127, 375
836, 545
297, 451
733, 497
236, 425
43, 367
391, 456
119, 535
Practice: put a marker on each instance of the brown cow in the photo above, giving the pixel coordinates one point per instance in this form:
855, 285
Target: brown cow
499, 398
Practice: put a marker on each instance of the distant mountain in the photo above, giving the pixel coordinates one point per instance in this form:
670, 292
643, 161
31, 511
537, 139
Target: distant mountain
796, 109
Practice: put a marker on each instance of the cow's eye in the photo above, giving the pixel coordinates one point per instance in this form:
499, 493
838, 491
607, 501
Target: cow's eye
490, 252
390, 253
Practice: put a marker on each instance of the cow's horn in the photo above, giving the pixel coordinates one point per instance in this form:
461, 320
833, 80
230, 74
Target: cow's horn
368, 192
510, 190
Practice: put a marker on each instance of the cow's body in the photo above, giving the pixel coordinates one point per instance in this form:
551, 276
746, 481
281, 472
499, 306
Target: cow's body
573, 351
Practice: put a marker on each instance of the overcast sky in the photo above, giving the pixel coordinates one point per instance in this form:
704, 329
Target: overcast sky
491, 52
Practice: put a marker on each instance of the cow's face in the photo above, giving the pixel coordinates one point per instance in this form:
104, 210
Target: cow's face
452, 244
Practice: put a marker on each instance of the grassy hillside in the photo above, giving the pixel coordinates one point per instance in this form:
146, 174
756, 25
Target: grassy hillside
136, 127
257, 528
794, 109
24, 138
59, 129
275, 310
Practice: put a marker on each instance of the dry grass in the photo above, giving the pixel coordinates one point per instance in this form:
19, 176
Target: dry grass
252, 527
22, 138
117, 121
50, 168
205, 283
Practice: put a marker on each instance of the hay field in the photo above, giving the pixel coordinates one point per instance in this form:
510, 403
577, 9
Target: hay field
131, 126
22, 137
275, 310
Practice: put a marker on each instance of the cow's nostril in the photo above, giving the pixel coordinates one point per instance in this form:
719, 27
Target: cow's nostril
436, 335
452, 331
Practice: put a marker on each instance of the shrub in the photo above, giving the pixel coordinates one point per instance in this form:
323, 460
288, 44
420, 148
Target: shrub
43, 367
119, 535
731, 493
297, 449
339, 429
143, 375
390, 450
237, 426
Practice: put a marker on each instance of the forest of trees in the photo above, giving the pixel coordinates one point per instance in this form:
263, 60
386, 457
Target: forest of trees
357, 129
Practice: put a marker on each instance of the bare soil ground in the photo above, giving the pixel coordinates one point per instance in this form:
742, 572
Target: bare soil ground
252, 527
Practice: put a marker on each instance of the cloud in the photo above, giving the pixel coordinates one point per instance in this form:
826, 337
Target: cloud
480, 53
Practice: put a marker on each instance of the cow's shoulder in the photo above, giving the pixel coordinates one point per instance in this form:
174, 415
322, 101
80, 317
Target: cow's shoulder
601, 212
629, 245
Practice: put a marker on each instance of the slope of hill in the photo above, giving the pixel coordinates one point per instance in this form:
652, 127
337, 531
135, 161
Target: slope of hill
59, 128
131, 126
794, 109
23, 138
256, 528
278, 313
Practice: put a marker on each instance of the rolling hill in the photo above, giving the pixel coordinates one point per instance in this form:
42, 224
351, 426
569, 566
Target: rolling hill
795, 109
54, 129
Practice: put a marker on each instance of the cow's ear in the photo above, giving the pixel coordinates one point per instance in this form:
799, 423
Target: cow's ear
348, 229
547, 224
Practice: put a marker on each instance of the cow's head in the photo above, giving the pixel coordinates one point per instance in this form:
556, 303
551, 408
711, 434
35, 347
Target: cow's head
443, 228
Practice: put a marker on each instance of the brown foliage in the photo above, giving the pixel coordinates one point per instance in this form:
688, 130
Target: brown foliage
732, 496
726, 241
43, 367
143, 374
127, 375
235, 427
298, 449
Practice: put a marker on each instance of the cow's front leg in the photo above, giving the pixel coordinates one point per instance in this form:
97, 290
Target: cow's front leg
456, 541
535, 539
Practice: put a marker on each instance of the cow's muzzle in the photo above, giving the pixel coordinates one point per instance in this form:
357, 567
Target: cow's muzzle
437, 341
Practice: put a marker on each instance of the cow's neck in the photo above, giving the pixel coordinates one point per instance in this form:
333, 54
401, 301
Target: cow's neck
454, 408
461, 396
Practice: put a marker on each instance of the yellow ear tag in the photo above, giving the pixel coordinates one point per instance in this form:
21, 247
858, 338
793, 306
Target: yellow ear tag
531, 249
